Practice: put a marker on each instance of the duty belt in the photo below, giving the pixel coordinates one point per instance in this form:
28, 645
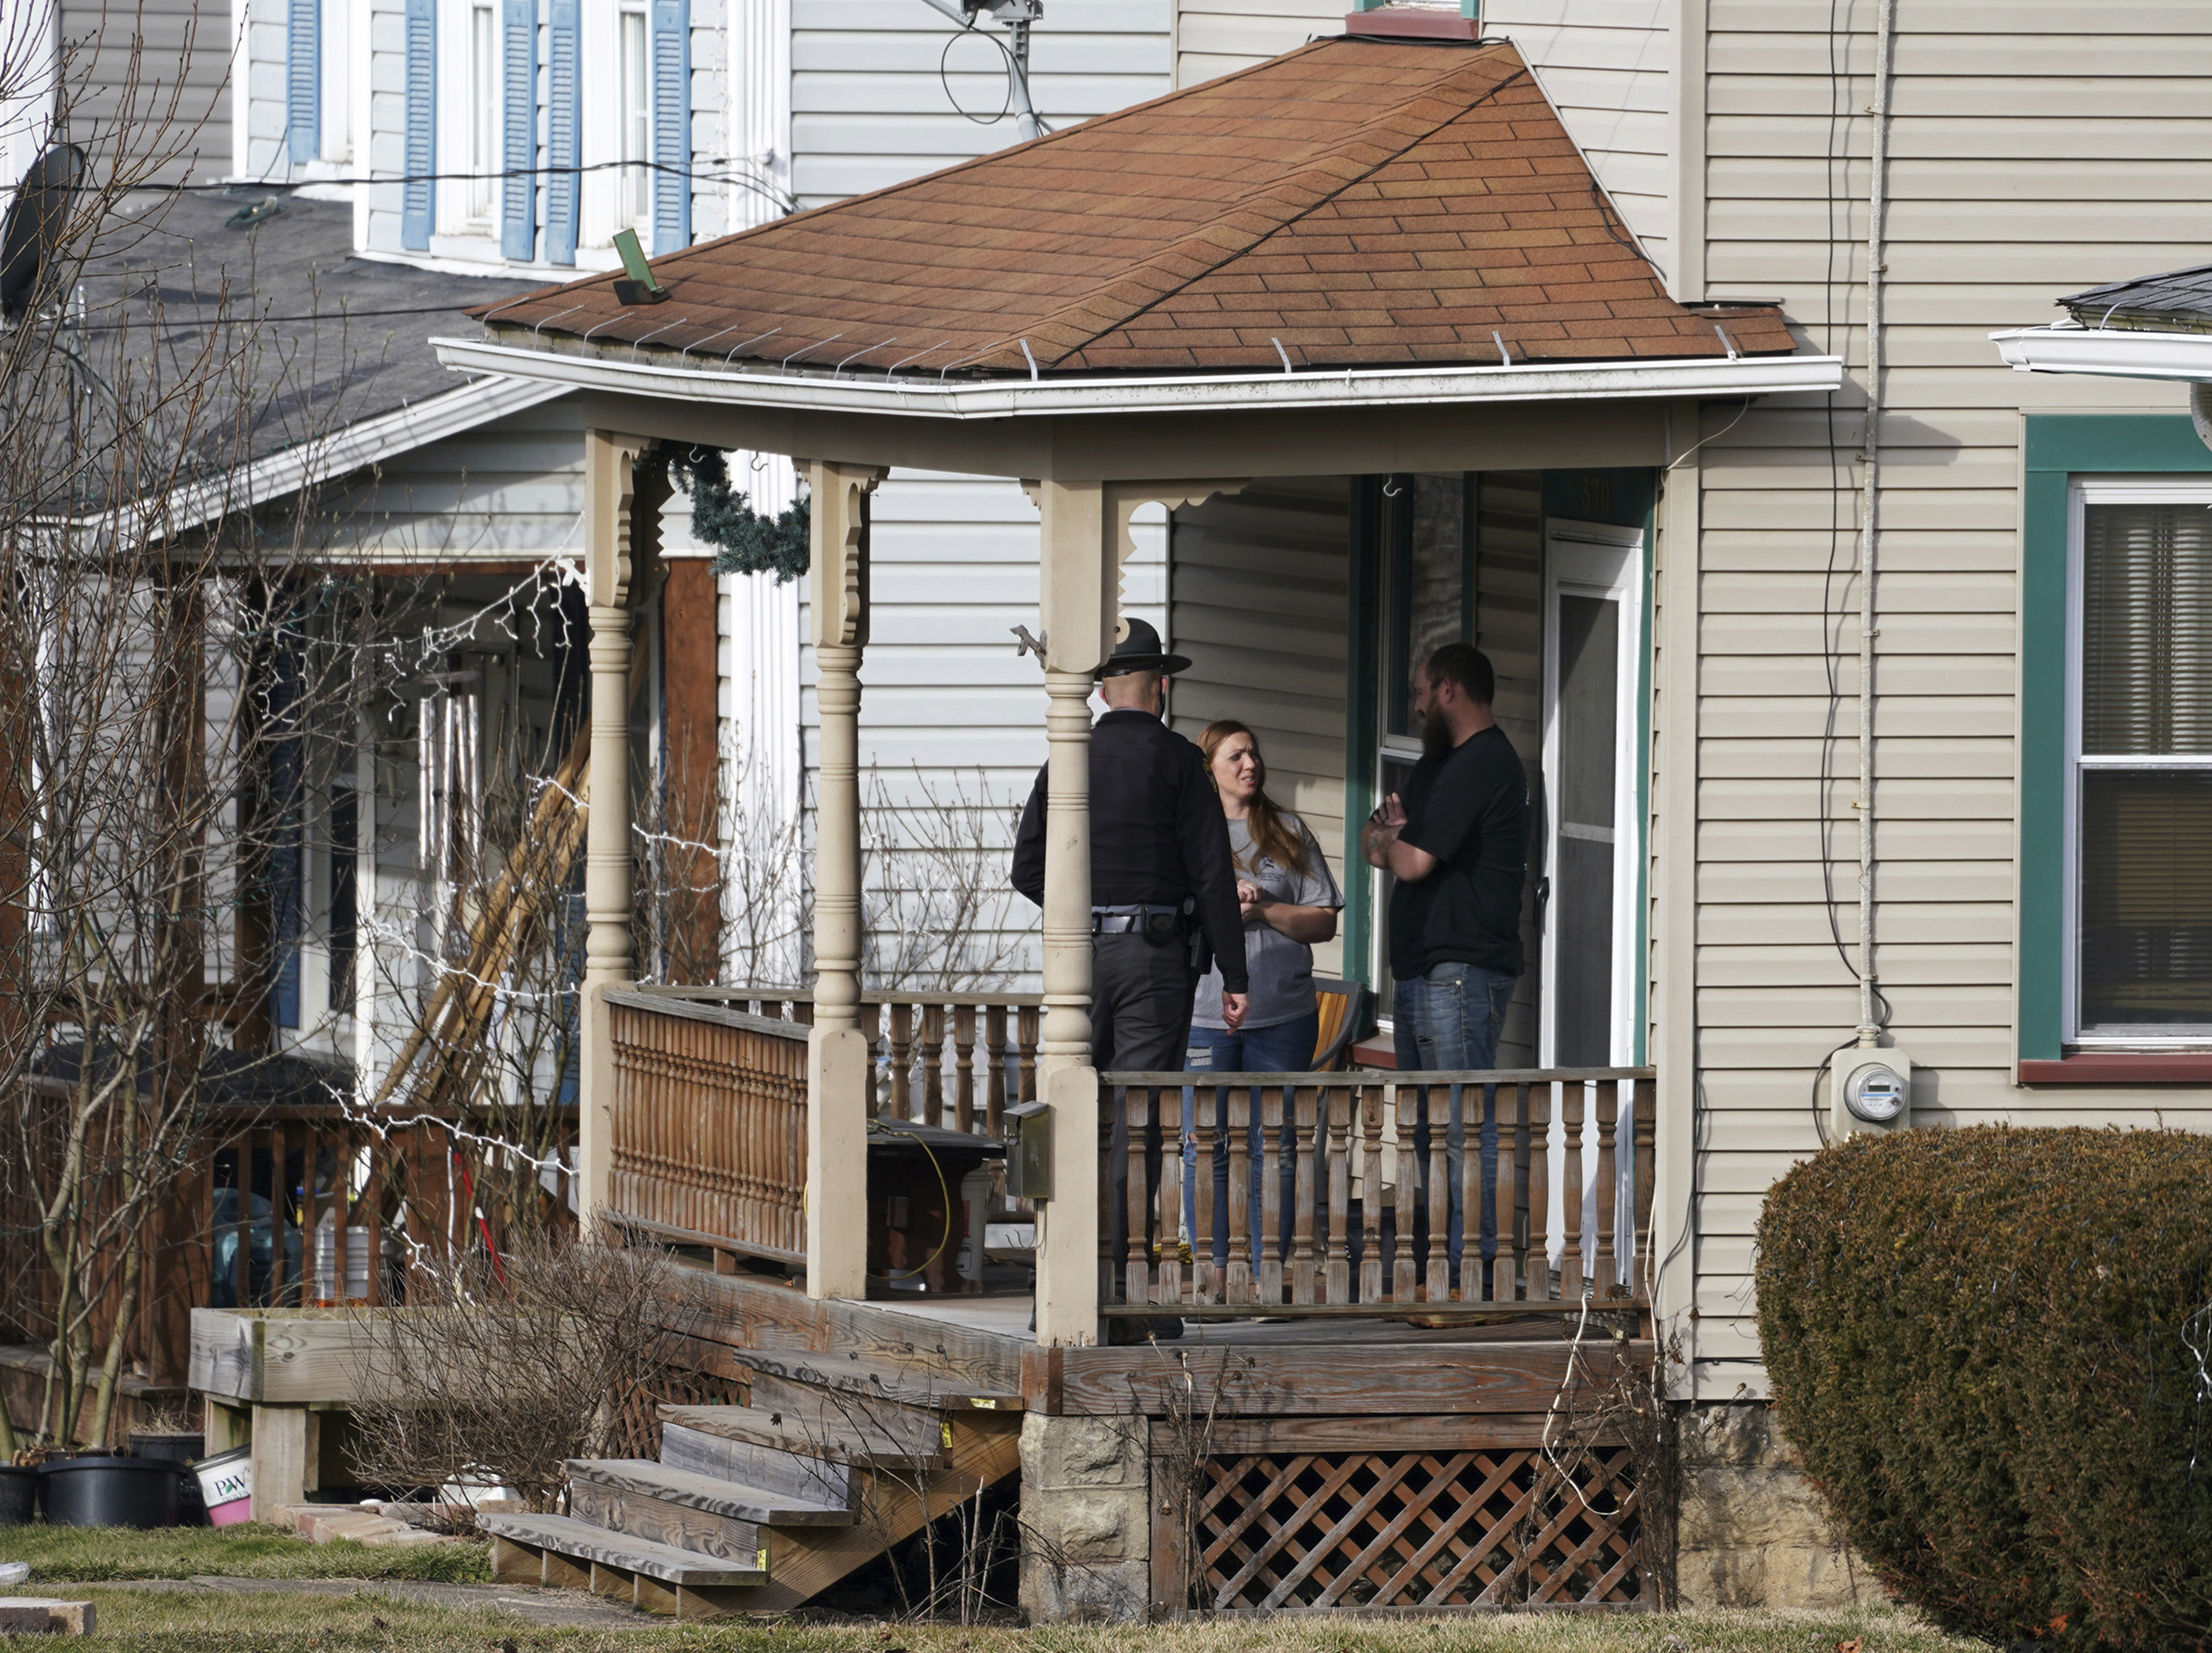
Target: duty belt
1155, 922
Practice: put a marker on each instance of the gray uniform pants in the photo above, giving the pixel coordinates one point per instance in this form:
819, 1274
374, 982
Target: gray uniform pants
1140, 1003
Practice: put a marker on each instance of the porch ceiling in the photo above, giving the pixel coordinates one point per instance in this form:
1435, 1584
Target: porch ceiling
1358, 203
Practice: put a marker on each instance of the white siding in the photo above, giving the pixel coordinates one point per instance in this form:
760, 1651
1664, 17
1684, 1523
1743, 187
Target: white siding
377, 224
1606, 64
1261, 584
947, 703
1987, 229
870, 109
171, 104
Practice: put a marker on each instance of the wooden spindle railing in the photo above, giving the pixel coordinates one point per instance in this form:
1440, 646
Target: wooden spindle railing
1341, 1195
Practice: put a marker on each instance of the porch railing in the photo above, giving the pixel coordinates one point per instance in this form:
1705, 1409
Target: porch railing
1352, 1202
709, 1139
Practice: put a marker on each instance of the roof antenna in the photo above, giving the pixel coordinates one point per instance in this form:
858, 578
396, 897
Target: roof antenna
1017, 16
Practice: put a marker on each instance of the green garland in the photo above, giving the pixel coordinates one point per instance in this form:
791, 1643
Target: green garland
723, 515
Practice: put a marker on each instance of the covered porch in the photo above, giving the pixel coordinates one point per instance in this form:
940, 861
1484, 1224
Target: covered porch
1368, 268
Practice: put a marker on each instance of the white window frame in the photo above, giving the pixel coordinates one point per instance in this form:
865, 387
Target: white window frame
600, 210
1590, 559
2082, 492
457, 230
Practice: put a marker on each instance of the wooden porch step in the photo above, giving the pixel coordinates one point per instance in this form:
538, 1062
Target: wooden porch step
567, 1536
711, 1494
834, 1428
916, 1383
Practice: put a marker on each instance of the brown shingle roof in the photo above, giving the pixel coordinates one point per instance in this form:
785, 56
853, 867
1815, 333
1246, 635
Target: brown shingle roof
1363, 202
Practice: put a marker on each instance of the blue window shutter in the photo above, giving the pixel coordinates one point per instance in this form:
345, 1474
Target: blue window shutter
303, 80
417, 211
671, 124
561, 125
517, 228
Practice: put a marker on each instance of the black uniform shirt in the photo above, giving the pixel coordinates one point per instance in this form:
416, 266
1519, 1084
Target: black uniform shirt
1157, 833
1469, 809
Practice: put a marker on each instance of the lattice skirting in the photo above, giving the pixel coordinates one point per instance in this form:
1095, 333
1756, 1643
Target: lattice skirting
1409, 1529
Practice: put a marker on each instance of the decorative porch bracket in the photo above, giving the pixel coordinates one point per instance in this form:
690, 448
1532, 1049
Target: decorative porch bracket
1086, 540
838, 1055
615, 542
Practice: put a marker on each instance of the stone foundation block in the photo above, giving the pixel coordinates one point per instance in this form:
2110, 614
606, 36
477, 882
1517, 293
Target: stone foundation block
1087, 1519
37, 1615
1751, 1531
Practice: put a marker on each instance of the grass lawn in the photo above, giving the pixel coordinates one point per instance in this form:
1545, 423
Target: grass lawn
379, 1618
89, 1554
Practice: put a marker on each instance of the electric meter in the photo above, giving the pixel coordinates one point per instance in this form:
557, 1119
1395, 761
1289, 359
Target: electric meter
1871, 1094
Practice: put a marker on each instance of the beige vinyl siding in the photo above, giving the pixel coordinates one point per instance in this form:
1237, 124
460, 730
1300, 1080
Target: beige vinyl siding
1606, 66
2036, 149
1260, 588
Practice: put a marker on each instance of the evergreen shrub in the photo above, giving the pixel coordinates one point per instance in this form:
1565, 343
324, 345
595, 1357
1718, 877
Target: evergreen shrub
1994, 1349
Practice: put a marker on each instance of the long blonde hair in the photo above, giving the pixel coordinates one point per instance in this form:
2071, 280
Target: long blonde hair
1271, 838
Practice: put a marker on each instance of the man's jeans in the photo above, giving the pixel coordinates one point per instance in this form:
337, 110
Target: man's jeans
1448, 1020
1287, 1047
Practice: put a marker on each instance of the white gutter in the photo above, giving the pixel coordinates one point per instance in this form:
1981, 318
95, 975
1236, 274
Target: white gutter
922, 397
348, 448
2113, 352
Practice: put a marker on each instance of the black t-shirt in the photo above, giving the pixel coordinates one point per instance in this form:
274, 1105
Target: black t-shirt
1469, 809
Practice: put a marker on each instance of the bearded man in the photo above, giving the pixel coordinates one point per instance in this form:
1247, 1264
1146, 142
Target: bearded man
1456, 840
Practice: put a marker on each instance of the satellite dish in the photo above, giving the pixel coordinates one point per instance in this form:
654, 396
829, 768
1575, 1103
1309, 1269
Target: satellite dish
36, 219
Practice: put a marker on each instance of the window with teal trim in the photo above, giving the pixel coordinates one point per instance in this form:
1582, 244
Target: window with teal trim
2116, 816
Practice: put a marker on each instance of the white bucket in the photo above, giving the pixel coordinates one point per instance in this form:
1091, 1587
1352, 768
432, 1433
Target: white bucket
227, 1486
326, 1265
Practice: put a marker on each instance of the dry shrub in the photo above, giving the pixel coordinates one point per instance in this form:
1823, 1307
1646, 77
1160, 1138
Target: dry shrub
501, 1373
1994, 1348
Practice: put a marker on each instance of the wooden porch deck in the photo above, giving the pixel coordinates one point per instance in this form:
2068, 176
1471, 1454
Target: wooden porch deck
1311, 1464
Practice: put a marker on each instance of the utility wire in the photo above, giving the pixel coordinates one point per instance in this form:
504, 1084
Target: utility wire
787, 201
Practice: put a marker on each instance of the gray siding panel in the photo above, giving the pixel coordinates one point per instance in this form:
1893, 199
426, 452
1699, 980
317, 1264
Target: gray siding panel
184, 59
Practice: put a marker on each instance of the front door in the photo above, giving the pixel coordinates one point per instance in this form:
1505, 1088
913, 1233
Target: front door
1589, 883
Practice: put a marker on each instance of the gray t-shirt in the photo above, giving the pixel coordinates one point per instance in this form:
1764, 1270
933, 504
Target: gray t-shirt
1281, 968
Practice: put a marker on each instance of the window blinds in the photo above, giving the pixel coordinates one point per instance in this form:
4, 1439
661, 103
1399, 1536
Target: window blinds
518, 215
2147, 630
419, 195
671, 124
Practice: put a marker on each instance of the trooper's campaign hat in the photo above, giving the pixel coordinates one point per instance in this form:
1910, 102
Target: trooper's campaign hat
1140, 651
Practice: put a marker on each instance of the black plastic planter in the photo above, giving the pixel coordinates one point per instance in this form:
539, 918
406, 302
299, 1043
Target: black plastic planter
19, 1495
106, 1491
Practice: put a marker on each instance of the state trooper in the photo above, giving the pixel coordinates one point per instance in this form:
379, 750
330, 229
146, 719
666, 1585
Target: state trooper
1162, 886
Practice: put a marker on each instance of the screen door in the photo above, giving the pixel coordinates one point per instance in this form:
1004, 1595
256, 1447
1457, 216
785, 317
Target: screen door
1591, 620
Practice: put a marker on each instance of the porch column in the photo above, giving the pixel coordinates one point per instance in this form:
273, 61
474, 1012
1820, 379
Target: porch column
1077, 610
609, 497
838, 1049
1086, 538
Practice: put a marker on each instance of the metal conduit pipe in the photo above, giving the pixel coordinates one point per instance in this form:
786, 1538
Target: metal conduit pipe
1869, 1028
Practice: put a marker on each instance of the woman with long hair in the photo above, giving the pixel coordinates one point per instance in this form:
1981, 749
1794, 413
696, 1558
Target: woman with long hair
1290, 902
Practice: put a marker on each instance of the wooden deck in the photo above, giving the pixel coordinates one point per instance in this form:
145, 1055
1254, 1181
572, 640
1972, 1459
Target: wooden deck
1311, 1464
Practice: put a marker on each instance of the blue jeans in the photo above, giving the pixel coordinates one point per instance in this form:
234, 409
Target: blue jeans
1287, 1047
1450, 1020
